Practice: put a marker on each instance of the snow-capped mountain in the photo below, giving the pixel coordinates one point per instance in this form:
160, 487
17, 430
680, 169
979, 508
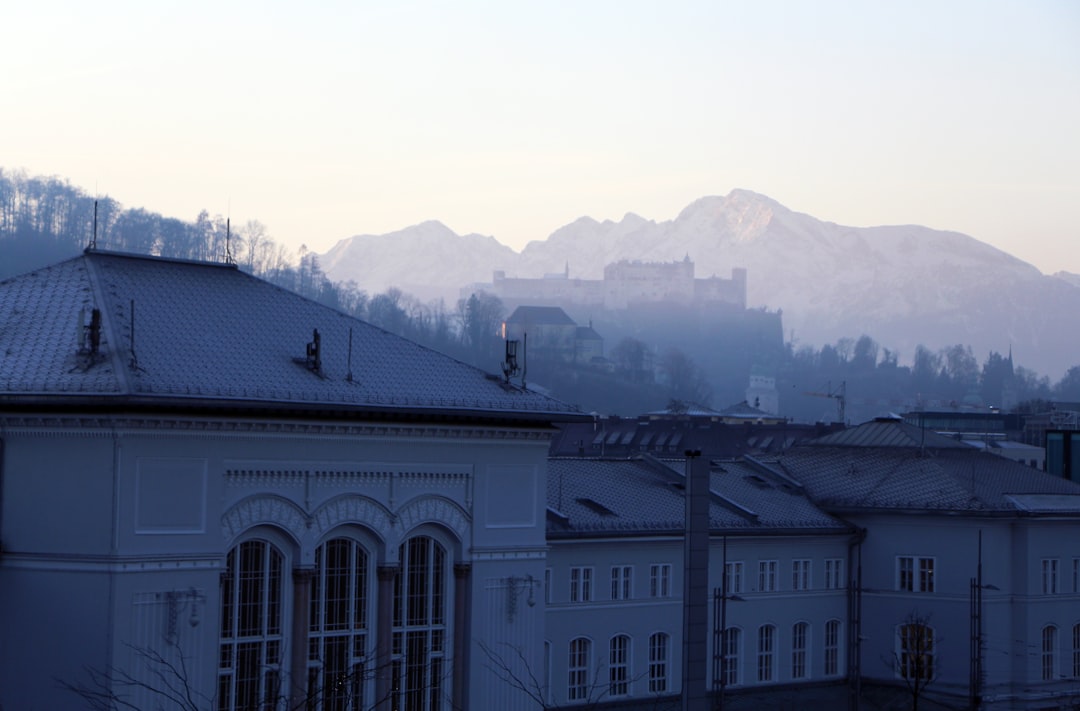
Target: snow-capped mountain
902, 285
427, 260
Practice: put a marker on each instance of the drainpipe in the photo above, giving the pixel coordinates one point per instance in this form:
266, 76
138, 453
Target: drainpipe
854, 599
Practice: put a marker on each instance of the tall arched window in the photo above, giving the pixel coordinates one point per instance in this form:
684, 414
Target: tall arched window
766, 653
1049, 652
338, 635
800, 632
832, 648
619, 666
659, 651
252, 619
732, 645
1076, 651
577, 681
421, 675
917, 651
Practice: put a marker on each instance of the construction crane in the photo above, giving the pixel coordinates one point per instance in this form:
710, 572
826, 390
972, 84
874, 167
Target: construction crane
839, 394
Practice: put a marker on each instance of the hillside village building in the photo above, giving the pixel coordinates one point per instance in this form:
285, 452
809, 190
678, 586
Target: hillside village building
309, 512
625, 284
547, 331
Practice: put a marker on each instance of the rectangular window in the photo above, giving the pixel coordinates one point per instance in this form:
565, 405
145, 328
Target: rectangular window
547, 585
1050, 576
834, 573
798, 650
766, 576
658, 662
622, 582
915, 574
800, 575
733, 577
766, 656
581, 584
832, 647
1076, 575
660, 580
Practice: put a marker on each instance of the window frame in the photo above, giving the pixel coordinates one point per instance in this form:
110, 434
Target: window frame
619, 656
916, 573
1048, 656
578, 666
766, 653
581, 583
659, 659
834, 574
1051, 576
801, 574
767, 575
622, 582
800, 650
832, 647
734, 573
659, 580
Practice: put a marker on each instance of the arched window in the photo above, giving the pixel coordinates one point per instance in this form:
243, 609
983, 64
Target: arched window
1076, 651
832, 648
916, 651
766, 654
800, 632
338, 635
577, 682
252, 620
420, 672
659, 651
619, 666
732, 645
1049, 652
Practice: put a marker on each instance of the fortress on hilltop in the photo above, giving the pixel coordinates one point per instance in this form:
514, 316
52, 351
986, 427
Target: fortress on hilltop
626, 284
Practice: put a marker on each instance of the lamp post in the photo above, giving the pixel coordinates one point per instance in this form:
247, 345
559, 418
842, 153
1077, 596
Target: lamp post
720, 600
975, 596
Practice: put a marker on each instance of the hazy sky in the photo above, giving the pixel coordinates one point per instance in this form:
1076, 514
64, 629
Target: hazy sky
328, 119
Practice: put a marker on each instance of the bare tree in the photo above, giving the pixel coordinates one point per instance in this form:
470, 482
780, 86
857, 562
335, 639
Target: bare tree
915, 657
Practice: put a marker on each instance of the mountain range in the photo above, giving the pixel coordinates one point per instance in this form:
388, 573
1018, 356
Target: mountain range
902, 285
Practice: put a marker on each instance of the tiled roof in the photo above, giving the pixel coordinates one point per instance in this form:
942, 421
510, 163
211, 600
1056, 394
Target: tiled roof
890, 465
175, 331
546, 315
642, 496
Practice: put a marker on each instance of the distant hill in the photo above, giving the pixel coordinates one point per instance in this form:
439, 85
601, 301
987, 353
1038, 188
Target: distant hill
902, 285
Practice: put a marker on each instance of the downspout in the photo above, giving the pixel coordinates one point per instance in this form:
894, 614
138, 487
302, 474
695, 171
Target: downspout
854, 599
3, 435
114, 548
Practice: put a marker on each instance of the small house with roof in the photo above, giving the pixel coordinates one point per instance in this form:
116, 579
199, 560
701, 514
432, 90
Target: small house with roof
201, 470
549, 332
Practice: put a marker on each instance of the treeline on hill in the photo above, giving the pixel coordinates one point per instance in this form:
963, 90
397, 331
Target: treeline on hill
44, 220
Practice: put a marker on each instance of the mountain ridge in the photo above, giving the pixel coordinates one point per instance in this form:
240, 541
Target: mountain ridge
904, 285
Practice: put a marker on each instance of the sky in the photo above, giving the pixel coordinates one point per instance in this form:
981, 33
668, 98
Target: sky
324, 120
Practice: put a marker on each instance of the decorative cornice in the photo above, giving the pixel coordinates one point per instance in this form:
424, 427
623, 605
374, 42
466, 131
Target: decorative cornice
352, 509
97, 426
265, 509
437, 510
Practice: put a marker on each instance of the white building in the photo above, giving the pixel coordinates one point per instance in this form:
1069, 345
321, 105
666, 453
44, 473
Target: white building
202, 470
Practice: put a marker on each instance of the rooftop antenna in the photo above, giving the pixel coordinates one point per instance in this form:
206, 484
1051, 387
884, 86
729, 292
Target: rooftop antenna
314, 352
93, 234
510, 361
228, 249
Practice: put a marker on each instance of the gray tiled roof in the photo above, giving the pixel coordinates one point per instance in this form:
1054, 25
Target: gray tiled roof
545, 315
641, 496
889, 465
213, 334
